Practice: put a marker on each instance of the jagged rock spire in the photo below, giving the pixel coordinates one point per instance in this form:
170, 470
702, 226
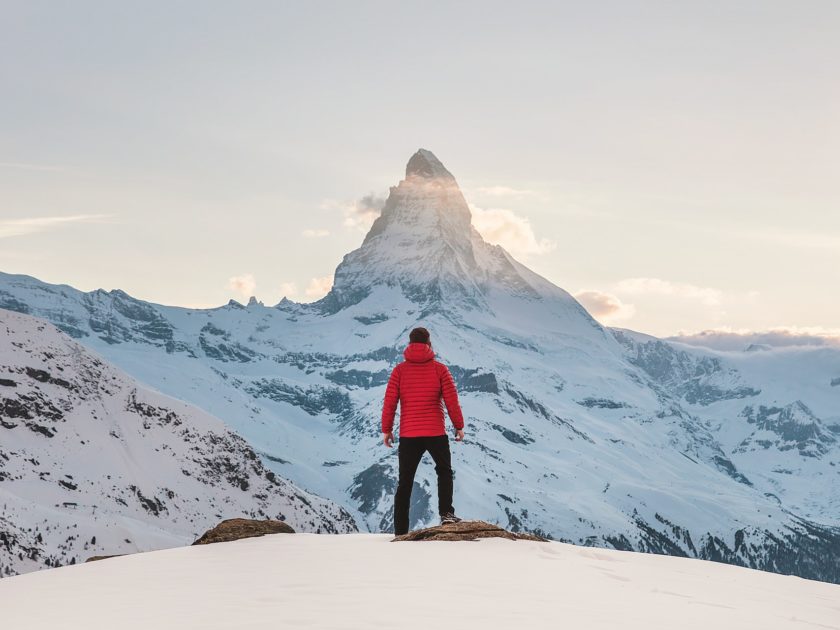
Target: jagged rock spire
425, 244
424, 164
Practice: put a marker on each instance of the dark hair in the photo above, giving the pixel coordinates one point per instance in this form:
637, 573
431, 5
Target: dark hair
419, 335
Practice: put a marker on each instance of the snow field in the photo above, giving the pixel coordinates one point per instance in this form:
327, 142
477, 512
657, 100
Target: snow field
363, 581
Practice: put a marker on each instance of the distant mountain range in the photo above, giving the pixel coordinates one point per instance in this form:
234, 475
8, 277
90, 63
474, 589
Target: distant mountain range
579, 432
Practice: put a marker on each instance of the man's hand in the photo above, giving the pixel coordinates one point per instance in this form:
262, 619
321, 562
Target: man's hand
459, 435
388, 439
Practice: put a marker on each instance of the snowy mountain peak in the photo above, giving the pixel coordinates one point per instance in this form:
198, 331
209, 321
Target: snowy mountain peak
424, 244
427, 204
425, 164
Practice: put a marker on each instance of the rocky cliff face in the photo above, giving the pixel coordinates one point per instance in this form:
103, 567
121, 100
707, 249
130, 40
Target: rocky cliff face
575, 431
93, 463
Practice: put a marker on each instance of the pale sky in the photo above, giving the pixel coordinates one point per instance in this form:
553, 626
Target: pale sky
675, 164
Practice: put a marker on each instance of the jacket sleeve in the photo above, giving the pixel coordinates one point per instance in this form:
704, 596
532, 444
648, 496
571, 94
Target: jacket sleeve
392, 397
450, 398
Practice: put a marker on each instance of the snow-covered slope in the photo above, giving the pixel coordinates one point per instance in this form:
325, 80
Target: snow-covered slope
91, 463
774, 412
586, 434
364, 581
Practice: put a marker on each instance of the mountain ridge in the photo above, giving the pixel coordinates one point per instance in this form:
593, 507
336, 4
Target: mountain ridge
92, 462
575, 431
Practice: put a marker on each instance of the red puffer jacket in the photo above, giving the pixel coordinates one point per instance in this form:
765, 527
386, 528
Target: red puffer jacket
418, 384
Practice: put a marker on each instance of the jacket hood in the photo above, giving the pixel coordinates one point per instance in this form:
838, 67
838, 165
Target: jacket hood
418, 353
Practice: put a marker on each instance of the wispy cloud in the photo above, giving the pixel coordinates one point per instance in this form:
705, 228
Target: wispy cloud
605, 307
510, 230
778, 336
315, 290
319, 287
243, 284
801, 239
21, 227
656, 286
359, 214
503, 191
288, 289
31, 167
362, 213
314, 233
782, 236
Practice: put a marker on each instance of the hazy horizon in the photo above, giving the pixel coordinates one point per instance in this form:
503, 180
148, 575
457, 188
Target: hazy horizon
674, 167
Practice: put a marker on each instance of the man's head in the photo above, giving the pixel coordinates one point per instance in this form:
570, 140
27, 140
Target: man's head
419, 335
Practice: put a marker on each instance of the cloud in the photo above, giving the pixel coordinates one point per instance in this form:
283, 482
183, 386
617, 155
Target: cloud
803, 239
313, 233
605, 307
504, 191
30, 167
288, 289
319, 287
506, 228
655, 286
243, 284
776, 337
315, 290
362, 213
21, 227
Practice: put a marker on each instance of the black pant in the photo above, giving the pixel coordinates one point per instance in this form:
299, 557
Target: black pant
411, 451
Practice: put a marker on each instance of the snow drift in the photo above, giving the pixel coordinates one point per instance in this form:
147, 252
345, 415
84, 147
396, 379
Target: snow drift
365, 581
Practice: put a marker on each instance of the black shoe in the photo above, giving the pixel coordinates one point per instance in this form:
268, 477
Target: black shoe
449, 517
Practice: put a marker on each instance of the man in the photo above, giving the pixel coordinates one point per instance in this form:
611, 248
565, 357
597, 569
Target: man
418, 384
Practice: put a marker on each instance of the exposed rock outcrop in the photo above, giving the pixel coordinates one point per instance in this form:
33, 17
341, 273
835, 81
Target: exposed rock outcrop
238, 528
98, 558
465, 530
